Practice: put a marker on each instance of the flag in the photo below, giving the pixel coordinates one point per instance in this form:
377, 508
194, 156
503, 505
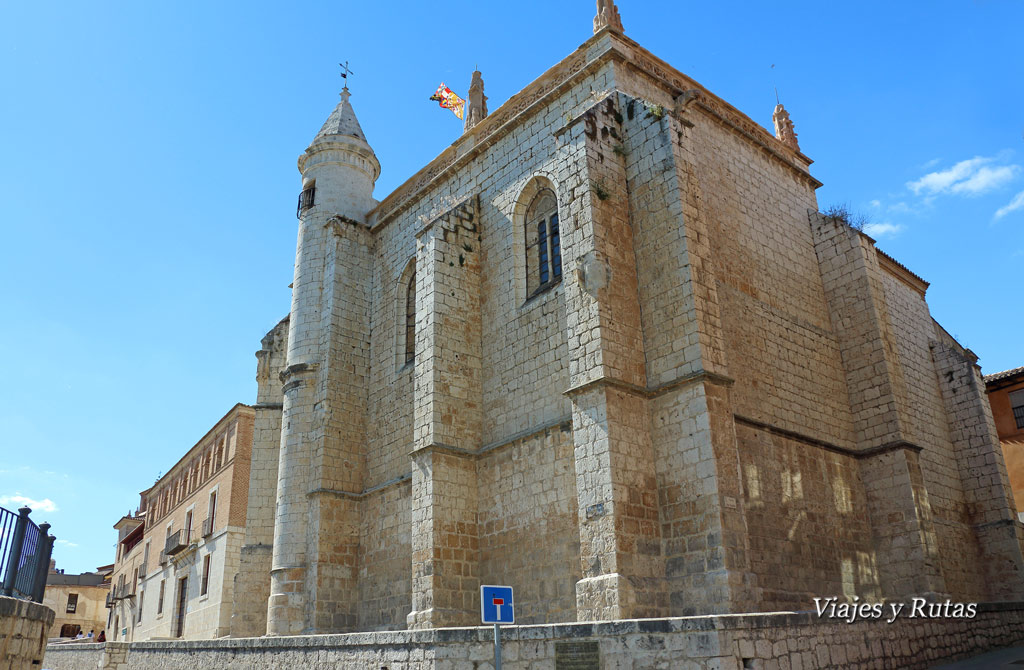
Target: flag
448, 100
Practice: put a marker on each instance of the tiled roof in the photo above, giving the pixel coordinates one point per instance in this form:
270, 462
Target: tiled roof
1003, 375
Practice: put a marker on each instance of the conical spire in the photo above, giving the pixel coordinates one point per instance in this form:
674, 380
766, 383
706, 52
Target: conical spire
341, 164
342, 120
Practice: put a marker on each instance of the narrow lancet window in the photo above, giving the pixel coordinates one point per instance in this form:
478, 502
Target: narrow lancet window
410, 316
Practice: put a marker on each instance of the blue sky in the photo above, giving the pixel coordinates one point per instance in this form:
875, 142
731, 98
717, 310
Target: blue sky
148, 183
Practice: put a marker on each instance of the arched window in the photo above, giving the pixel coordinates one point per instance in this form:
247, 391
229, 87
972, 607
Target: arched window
543, 243
405, 317
410, 317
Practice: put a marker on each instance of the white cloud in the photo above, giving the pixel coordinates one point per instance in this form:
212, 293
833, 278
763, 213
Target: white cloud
883, 229
986, 179
44, 505
876, 203
66, 543
900, 208
970, 177
1015, 204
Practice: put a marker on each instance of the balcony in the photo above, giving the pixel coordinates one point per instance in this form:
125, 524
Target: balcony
176, 542
306, 200
208, 527
110, 600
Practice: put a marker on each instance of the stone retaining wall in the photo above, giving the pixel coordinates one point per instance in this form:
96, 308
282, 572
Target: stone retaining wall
794, 641
24, 626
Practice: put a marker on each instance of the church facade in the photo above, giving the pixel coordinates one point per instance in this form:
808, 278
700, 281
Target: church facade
605, 349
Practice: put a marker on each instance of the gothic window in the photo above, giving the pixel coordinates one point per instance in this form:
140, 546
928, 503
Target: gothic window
543, 243
406, 316
410, 319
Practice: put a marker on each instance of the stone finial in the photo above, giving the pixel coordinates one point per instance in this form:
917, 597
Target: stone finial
607, 16
476, 109
784, 128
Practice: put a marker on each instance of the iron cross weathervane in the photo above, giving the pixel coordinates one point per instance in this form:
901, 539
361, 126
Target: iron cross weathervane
345, 72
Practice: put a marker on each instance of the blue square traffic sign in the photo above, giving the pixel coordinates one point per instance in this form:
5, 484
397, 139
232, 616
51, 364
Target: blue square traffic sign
496, 604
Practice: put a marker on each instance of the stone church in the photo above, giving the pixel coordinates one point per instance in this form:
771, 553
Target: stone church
605, 349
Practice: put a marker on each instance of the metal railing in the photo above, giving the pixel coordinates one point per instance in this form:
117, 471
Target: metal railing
177, 541
306, 200
25, 550
1018, 414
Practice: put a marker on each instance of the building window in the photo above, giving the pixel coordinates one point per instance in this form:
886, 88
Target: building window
160, 597
1017, 404
410, 317
206, 576
141, 595
306, 199
405, 316
72, 603
543, 243
188, 527
211, 515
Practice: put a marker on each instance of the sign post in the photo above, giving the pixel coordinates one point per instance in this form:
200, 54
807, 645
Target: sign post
496, 607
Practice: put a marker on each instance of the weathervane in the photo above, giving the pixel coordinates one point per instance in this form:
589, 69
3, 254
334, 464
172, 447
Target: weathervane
345, 72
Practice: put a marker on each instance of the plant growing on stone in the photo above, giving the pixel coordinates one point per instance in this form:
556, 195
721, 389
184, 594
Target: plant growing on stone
844, 213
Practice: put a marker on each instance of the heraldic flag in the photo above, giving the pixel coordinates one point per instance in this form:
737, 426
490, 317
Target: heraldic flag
448, 100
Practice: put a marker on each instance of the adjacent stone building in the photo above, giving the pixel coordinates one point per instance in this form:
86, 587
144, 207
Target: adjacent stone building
177, 556
1006, 395
605, 349
79, 601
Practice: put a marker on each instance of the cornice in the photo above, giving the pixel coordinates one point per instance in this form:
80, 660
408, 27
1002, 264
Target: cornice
901, 272
604, 47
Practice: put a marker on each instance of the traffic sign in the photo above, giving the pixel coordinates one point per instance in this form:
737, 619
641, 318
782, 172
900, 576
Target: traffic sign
496, 604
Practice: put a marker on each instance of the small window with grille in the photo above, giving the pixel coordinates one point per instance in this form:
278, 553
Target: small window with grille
1017, 404
306, 199
72, 604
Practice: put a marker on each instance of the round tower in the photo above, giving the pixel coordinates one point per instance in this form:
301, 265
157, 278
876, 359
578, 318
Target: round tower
340, 165
321, 439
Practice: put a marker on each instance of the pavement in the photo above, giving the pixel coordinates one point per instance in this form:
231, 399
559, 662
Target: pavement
1011, 658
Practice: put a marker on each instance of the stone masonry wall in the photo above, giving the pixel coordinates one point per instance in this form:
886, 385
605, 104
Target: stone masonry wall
24, 626
927, 424
804, 507
798, 641
385, 557
252, 583
528, 524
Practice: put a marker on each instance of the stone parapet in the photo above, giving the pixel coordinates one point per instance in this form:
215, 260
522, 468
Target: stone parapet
724, 642
25, 626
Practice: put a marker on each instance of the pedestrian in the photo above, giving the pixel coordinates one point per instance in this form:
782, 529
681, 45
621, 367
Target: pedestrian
102, 637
